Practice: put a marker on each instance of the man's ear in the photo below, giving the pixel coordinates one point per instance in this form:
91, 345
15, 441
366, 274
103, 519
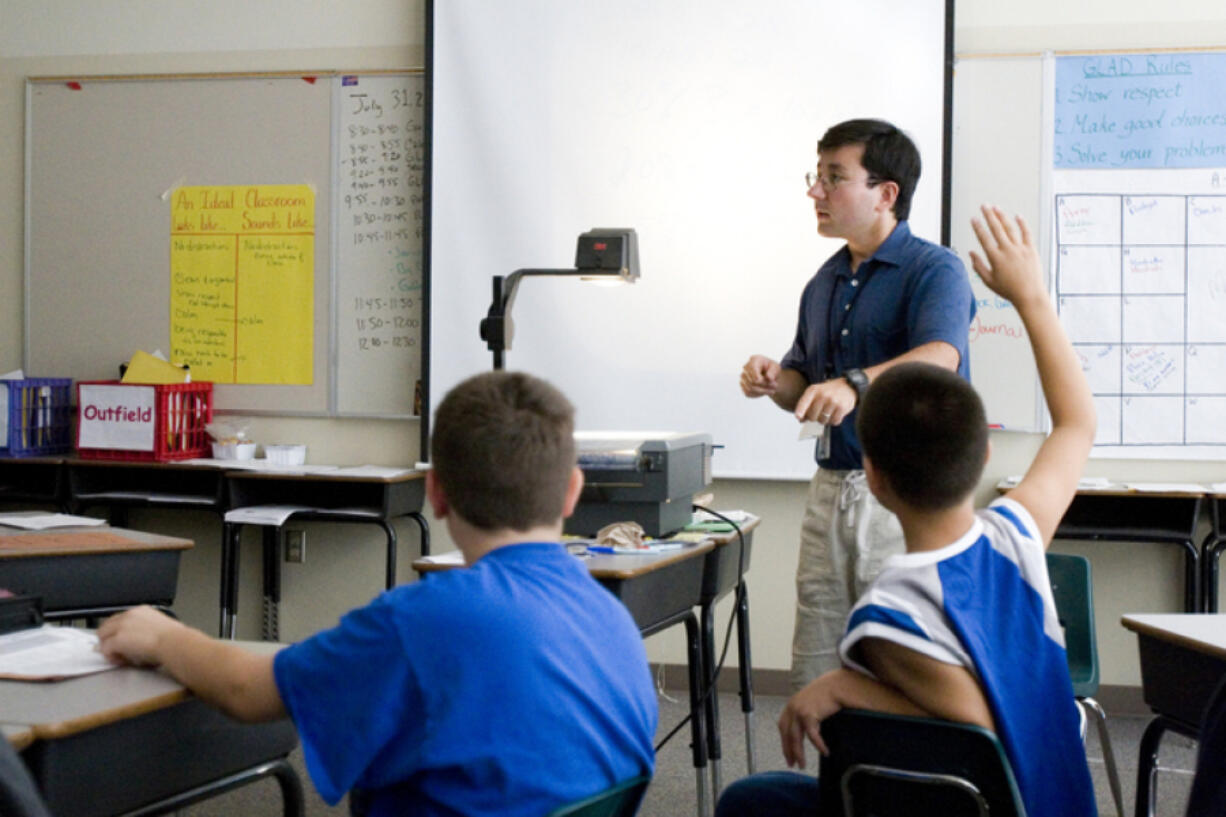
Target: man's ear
574, 486
889, 195
436, 497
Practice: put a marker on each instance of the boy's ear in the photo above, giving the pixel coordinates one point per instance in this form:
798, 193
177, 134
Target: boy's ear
875, 479
574, 486
436, 497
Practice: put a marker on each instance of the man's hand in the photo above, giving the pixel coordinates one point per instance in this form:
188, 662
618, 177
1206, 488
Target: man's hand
132, 637
760, 376
803, 716
827, 402
1012, 267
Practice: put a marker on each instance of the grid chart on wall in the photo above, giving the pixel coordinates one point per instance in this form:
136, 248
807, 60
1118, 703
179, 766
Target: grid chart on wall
1140, 285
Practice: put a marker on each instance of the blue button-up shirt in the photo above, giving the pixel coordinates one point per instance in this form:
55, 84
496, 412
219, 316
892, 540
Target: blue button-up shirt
908, 293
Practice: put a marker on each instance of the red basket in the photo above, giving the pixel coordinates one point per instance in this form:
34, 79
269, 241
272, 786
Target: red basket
149, 423
38, 418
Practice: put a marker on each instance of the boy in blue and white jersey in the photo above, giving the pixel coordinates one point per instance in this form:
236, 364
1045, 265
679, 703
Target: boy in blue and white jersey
962, 625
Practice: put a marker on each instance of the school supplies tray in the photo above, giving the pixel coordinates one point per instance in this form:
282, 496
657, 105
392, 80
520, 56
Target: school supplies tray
143, 422
35, 416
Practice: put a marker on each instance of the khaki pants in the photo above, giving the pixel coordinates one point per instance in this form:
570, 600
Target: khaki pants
845, 537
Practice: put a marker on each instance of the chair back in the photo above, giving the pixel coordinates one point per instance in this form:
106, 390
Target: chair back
619, 800
892, 765
1073, 590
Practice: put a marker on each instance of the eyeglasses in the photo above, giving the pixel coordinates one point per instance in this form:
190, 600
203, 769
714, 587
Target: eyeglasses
834, 181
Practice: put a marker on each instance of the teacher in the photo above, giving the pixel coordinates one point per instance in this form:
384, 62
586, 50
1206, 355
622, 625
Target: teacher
886, 297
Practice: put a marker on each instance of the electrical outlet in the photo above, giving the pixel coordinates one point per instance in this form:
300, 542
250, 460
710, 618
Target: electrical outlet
295, 546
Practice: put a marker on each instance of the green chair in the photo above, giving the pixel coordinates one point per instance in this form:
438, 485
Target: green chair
1074, 595
895, 766
620, 800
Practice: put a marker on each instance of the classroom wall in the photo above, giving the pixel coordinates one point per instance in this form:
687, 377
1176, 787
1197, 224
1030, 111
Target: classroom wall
344, 563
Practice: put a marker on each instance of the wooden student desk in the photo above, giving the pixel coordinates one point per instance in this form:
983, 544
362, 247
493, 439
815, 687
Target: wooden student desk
84, 572
135, 742
328, 497
76, 484
1118, 513
1183, 659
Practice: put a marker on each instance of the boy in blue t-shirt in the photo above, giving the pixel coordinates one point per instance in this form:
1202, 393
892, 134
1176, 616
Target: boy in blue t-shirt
962, 625
510, 687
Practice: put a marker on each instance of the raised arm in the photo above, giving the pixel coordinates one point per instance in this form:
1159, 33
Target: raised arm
1012, 270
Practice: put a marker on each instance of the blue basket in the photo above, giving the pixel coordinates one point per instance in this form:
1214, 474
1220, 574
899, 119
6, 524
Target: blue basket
39, 417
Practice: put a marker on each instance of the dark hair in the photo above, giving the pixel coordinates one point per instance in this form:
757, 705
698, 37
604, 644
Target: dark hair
503, 449
925, 431
889, 155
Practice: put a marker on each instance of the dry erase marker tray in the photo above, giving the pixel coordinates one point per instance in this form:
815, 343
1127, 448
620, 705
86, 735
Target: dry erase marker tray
132, 421
35, 416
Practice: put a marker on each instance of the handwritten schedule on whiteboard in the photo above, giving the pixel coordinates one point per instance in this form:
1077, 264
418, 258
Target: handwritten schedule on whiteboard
380, 165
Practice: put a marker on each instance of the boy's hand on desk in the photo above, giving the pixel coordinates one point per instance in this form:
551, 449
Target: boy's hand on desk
133, 636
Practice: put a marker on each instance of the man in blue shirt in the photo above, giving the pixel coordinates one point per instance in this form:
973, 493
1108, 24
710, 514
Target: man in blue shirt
510, 687
887, 297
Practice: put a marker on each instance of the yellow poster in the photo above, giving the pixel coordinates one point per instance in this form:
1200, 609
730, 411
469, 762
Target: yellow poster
242, 283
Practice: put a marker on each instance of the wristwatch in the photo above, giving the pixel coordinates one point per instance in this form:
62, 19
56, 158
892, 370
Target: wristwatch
859, 381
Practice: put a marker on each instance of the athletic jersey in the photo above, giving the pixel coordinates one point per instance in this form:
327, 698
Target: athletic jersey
984, 602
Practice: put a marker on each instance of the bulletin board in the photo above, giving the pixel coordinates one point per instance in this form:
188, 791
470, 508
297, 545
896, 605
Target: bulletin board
337, 160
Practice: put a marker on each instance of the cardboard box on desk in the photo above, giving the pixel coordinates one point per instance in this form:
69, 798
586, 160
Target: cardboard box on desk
125, 421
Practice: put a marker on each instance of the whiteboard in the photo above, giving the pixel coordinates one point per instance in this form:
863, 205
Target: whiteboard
691, 122
103, 157
997, 156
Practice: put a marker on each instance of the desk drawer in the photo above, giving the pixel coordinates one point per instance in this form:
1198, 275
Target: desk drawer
658, 595
1178, 682
71, 582
126, 764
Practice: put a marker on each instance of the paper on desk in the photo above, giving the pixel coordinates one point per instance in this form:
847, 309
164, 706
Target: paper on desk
369, 471
43, 521
264, 514
1085, 483
50, 653
1167, 487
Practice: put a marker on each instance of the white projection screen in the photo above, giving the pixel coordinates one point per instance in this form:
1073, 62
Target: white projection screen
691, 121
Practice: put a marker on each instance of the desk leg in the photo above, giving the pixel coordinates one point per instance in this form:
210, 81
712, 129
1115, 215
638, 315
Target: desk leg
1191, 577
1210, 552
746, 672
230, 543
693, 639
389, 580
425, 531
711, 698
270, 627
1147, 765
